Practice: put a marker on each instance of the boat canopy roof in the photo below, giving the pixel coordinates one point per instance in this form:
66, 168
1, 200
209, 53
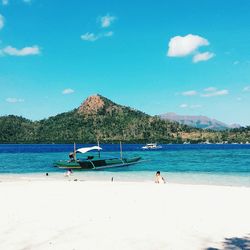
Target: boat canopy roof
85, 150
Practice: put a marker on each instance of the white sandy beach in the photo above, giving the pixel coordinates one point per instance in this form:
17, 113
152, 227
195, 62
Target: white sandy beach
76, 215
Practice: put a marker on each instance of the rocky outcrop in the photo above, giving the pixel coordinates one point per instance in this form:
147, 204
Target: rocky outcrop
91, 105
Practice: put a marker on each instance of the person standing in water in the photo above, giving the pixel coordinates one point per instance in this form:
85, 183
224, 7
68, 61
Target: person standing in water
159, 179
71, 157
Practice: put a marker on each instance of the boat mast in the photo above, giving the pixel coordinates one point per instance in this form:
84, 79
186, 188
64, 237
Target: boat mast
74, 151
120, 149
99, 152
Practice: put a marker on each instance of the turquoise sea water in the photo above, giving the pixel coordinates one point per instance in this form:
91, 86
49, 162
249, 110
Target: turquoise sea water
193, 164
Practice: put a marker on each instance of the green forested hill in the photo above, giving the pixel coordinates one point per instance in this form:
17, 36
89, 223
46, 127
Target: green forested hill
15, 129
97, 118
100, 118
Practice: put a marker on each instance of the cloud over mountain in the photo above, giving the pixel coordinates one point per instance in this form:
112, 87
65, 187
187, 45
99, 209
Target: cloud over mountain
246, 89
189, 93
14, 100
215, 93
68, 91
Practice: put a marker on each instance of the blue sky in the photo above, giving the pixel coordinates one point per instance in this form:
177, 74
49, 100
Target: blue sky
188, 57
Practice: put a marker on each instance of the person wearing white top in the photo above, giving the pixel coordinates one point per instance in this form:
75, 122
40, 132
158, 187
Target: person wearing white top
159, 179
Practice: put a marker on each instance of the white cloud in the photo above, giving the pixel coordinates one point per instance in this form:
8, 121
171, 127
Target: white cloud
216, 93
107, 20
207, 92
189, 93
89, 37
203, 56
68, 91
180, 46
183, 105
246, 89
236, 62
193, 106
210, 89
14, 100
26, 51
1, 21
108, 34
5, 2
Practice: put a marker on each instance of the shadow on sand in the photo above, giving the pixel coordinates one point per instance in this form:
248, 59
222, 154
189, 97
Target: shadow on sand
234, 243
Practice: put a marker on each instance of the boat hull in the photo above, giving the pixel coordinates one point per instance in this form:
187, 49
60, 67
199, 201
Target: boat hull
96, 164
146, 148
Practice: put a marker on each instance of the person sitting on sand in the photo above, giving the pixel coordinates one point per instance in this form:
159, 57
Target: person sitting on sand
68, 173
159, 179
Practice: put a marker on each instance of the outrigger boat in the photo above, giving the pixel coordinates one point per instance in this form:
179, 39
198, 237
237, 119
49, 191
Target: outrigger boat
91, 162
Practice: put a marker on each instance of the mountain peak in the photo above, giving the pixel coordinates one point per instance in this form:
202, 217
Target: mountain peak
199, 121
92, 104
235, 125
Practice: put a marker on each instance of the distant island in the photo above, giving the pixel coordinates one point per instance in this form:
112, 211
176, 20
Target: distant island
198, 121
98, 118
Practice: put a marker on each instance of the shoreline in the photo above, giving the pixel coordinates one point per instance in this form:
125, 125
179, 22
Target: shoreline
90, 177
105, 182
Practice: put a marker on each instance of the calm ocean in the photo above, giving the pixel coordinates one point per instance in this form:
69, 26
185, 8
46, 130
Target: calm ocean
193, 164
